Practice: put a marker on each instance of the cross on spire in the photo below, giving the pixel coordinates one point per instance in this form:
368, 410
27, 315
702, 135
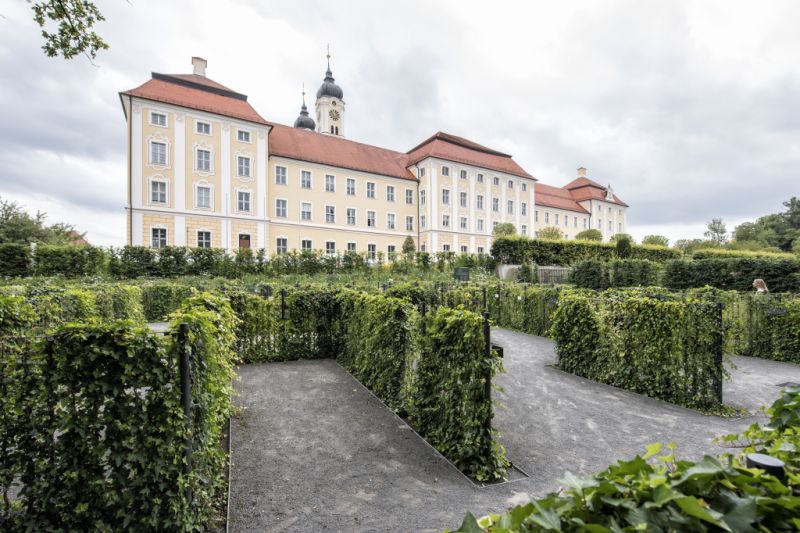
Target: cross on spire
328, 55
304, 93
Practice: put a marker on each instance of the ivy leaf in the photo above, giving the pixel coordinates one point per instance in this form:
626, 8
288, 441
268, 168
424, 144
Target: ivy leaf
652, 449
696, 508
469, 525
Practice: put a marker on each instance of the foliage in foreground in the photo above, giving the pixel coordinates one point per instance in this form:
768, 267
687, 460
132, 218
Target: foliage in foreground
662, 493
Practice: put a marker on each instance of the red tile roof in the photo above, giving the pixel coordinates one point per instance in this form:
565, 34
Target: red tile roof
305, 145
556, 197
460, 150
196, 92
583, 189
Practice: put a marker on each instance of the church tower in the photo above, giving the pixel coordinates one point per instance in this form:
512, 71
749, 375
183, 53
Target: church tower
330, 106
303, 121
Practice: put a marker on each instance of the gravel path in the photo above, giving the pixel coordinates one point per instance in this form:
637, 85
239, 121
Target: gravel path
313, 450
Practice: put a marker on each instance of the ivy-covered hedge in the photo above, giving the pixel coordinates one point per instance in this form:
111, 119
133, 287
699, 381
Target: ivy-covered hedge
433, 369
53, 260
518, 250
659, 492
781, 275
773, 327
722, 253
666, 348
159, 299
594, 274
94, 429
15, 260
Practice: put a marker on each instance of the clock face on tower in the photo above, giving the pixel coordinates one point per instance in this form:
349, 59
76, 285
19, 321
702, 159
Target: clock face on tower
333, 114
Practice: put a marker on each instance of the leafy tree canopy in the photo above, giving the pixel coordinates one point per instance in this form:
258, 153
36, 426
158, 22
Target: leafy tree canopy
617, 236
17, 226
716, 231
589, 235
73, 33
551, 233
776, 230
504, 229
656, 240
408, 245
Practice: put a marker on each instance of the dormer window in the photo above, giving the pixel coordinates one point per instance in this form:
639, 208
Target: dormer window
203, 128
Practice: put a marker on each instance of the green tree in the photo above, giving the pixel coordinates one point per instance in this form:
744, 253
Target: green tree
74, 34
17, 226
551, 233
624, 246
505, 229
656, 240
716, 231
408, 246
589, 235
617, 236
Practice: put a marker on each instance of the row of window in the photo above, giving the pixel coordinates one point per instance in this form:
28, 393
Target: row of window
559, 218
463, 174
306, 215
306, 182
203, 161
464, 202
203, 196
203, 128
463, 248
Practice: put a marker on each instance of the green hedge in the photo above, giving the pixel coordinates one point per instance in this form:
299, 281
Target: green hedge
773, 326
52, 260
594, 274
159, 299
722, 253
118, 459
518, 250
15, 260
659, 492
433, 370
666, 348
781, 275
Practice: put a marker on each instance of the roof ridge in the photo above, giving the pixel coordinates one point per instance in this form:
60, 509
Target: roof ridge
219, 89
459, 141
339, 138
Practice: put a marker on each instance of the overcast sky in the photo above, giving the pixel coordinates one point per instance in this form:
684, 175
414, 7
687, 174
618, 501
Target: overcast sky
689, 109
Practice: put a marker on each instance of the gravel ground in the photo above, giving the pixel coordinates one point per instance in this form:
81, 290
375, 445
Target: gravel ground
313, 450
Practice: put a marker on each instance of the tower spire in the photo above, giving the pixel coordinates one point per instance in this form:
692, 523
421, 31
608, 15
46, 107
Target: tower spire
303, 121
328, 56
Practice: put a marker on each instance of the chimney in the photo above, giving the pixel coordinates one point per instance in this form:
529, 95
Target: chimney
199, 65
581, 172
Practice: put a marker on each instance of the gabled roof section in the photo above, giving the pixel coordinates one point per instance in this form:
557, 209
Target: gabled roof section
460, 150
583, 189
197, 92
556, 197
305, 145
582, 182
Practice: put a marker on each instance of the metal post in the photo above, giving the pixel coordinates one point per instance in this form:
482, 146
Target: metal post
283, 304
186, 399
719, 347
484, 297
767, 463
487, 391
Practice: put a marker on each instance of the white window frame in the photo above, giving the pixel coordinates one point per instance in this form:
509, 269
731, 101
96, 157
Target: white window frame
422, 197
351, 191
197, 124
391, 221
372, 255
390, 193
332, 214
523, 229
446, 247
409, 223
463, 174
249, 193
239, 133
197, 238
310, 212
510, 207
479, 202
445, 170
352, 246
479, 178
523, 209
285, 244
495, 205
524, 187
158, 140
328, 251
205, 148
371, 189
445, 196
310, 179
285, 208
421, 221
462, 199
239, 159
157, 179
330, 184
496, 181
409, 196
510, 184
205, 185
464, 223
445, 221
166, 236
373, 218
464, 248
310, 244
354, 211
480, 224
160, 114
285, 175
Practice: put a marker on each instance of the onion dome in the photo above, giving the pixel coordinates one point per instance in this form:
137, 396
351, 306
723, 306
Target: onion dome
304, 121
329, 87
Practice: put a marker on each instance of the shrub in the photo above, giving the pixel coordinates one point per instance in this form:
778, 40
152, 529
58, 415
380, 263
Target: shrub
159, 299
773, 327
656, 240
518, 250
590, 274
504, 229
15, 260
717, 253
663, 347
589, 235
624, 246
551, 233
52, 260
738, 274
